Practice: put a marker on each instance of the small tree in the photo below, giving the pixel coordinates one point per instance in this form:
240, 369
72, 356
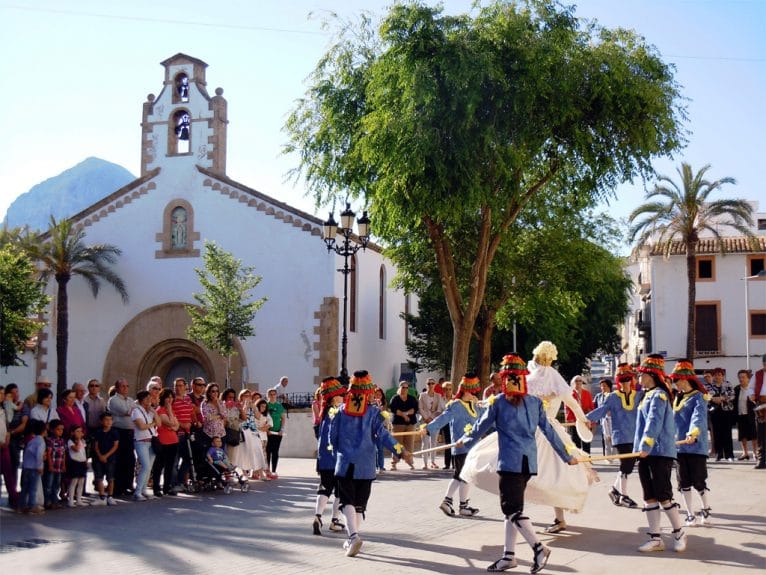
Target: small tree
223, 311
21, 297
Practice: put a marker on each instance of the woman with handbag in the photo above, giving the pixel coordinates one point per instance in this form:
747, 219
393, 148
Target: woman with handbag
213, 416
234, 415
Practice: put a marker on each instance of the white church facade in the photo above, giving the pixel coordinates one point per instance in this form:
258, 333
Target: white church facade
161, 220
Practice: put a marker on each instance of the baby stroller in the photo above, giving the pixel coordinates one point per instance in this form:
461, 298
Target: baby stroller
212, 478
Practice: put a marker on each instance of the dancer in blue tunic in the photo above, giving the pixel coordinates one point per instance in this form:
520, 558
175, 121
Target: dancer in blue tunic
655, 440
621, 404
516, 416
331, 393
460, 413
356, 428
690, 409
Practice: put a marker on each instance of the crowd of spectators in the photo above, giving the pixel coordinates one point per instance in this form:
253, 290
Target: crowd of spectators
137, 448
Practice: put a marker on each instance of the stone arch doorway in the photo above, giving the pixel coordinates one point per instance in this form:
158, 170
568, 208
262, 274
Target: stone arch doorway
154, 342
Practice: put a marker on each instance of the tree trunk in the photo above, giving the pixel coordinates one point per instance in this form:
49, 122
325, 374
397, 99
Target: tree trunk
691, 277
62, 334
461, 343
485, 328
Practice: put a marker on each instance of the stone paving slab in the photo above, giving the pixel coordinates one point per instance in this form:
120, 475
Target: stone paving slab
268, 530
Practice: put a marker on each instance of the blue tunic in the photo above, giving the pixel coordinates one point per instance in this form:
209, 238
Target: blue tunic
457, 414
690, 414
623, 410
353, 438
516, 425
655, 429
325, 453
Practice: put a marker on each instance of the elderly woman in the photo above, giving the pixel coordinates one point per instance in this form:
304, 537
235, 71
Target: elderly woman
145, 424
234, 415
68, 412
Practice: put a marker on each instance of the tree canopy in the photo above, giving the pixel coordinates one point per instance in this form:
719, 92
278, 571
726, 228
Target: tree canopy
447, 126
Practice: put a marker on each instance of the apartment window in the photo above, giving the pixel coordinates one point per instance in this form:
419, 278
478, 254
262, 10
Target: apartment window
762, 224
707, 328
352, 296
705, 268
755, 264
758, 323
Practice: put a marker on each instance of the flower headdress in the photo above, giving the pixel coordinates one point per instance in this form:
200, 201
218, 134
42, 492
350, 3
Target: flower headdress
545, 353
468, 384
684, 369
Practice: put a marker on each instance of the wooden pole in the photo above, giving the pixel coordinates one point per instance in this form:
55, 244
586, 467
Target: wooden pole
437, 448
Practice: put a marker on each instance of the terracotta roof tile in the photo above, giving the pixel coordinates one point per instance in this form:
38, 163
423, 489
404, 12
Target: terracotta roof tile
732, 245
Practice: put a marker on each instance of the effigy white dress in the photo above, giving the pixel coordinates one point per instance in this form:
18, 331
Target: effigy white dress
556, 483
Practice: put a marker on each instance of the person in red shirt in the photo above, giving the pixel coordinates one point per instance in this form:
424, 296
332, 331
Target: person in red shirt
186, 414
585, 399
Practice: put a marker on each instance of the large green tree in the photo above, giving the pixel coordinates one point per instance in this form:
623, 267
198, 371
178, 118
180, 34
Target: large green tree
680, 212
22, 298
451, 123
63, 254
225, 309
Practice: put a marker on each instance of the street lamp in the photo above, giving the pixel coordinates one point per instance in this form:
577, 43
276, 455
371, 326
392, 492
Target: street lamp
347, 248
760, 275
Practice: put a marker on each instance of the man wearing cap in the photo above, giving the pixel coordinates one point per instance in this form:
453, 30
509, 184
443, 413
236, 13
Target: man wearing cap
356, 429
722, 415
31, 400
757, 394
516, 416
430, 406
690, 409
655, 440
460, 414
621, 405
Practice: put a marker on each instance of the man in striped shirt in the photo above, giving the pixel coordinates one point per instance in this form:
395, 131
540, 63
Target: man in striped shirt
185, 412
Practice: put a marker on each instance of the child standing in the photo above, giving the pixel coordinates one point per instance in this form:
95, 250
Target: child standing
106, 442
32, 466
76, 467
55, 464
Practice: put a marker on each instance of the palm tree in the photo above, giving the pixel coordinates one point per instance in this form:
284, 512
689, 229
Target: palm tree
685, 213
64, 254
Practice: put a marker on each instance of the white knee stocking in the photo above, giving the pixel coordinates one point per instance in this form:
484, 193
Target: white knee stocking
350, 514
321, 503
464, 489
453, 486
524, 526
703, 498
559, 514
652, 511
671, 510
687, 493
335, 506
511, 531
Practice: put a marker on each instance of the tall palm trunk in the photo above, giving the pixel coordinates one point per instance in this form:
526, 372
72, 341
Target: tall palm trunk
691, 277
62, 333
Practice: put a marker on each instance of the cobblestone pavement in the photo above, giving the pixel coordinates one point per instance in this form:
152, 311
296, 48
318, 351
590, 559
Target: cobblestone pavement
268, 530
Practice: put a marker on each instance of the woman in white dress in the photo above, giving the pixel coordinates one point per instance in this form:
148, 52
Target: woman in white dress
565, 487
250, 456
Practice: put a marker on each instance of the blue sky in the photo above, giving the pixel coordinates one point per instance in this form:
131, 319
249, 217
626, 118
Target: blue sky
76, 74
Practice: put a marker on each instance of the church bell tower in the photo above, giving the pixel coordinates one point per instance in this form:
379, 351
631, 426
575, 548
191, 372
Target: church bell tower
184, 125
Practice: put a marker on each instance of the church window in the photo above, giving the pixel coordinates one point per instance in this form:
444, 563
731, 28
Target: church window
178, 236
382, 304
181, 93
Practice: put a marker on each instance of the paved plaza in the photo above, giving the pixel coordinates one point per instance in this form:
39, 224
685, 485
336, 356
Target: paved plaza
268, 531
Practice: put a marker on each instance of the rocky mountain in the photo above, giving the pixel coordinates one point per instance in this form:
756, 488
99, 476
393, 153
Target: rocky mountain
67, 194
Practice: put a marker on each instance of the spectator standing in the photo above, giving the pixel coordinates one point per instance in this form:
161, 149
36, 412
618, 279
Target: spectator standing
95, 405
6, 467
606, 422
31, 400
79, 402
430, 406
404, 409
263, 423
68, 412
32, 467
43, 409
379, 400
185, 413
154, 387
251, 455
146, 422
76, 466
17, 421
234, 416
165, 457
55, 464
585, 399
213, 416
495, 386
757, 394
722, 415
276, 432
121, 407
707, 381
316, 412
106, 442
744, 408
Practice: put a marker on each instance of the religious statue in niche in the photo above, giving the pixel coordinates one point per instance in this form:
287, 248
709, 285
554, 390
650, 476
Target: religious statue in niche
178, 222
182, 125
182, 87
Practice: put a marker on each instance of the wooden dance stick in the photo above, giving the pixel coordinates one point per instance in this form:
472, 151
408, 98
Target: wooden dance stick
603, 457
437, 448
403, 433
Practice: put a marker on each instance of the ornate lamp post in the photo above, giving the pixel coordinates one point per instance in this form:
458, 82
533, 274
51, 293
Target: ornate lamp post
345, 249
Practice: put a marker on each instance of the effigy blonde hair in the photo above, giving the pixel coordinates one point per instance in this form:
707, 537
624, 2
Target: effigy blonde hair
545, 353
